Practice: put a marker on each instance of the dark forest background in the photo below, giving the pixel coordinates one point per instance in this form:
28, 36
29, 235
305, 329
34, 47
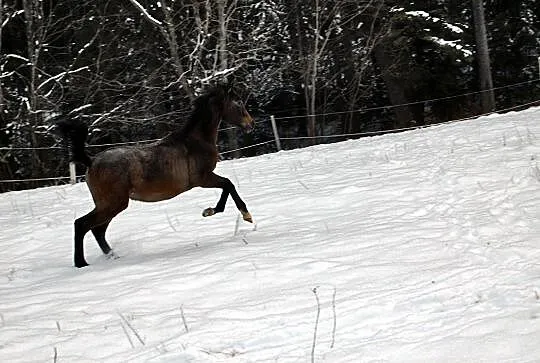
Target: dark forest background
131, 68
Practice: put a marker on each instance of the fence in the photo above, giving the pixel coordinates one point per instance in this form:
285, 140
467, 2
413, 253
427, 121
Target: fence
277, 139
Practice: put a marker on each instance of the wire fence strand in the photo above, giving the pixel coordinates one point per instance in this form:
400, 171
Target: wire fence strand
358, 134
369, 133
247, 147
33, 179
362, 110
382, 132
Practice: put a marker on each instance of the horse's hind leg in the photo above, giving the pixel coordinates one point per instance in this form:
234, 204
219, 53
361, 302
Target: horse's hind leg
99, 234
82, 226
96, 218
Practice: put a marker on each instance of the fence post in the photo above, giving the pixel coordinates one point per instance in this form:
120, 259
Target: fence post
276, 134
72, 173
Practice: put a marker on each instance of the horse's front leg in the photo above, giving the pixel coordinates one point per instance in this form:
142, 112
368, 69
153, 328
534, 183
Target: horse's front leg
215, 181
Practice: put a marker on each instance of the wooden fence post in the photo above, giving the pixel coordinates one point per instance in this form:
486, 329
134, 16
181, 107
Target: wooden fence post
72, 173
275, 130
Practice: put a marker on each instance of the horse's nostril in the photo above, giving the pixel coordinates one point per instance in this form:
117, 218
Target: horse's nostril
248, 127
248, 124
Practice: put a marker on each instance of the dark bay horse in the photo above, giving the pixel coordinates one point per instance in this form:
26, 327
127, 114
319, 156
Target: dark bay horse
182, 160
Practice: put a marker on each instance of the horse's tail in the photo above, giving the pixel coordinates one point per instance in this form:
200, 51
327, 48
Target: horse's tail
75, 132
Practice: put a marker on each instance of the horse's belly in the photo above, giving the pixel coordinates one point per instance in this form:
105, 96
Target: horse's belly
154, 192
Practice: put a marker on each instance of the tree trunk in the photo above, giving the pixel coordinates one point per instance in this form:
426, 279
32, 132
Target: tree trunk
482, 57
396, 92
1, 65
202, 24
169, 33
33, 16
223, 64
312, 77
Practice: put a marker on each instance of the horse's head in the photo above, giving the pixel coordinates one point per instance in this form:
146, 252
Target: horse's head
233, 110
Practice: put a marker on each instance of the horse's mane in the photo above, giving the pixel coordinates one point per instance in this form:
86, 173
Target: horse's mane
201, 108
201, 113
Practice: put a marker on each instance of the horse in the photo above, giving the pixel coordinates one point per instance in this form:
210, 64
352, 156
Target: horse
182, 160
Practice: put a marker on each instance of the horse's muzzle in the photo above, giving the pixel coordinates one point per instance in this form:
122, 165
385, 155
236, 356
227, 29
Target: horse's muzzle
248, 125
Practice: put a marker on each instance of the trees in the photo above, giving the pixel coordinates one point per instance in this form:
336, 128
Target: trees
130, 69
319, 32
425, 55
32, 84
514, 44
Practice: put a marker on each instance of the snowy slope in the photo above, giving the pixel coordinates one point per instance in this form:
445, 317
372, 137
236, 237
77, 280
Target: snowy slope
429, 239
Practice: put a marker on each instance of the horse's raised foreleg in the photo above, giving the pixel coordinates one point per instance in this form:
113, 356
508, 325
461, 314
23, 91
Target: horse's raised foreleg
216, 181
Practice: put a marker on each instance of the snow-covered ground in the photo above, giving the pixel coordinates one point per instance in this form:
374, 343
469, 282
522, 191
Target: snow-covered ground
422, 246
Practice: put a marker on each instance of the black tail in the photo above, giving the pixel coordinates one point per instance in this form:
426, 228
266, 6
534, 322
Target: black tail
75, 132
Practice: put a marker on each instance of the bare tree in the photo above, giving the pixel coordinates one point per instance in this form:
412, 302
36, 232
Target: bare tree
222, 55
205, 53
318, 29
167, 29
1, 61
360, 40
35, 31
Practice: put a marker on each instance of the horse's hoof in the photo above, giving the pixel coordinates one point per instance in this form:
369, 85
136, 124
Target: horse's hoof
112, 255
208, 212
247, 217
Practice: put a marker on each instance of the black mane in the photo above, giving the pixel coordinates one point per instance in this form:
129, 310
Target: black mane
202, 109
201, 113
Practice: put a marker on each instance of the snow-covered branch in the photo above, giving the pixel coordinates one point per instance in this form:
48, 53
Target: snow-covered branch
146, 13
217, 74
60, 76
16, 56
4, 23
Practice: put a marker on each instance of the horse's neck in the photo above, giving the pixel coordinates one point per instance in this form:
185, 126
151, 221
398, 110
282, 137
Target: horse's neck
203, 132
206, 131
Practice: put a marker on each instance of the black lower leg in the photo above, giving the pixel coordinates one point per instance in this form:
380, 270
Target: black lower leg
237, 200
99, 234
216, 181
220, 206
239, 203
82, 226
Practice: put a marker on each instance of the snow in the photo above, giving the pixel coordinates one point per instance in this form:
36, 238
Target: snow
428, 238
80, 108
216, 74
453, 28
146, 13
12, 16
16, 56
453, 44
